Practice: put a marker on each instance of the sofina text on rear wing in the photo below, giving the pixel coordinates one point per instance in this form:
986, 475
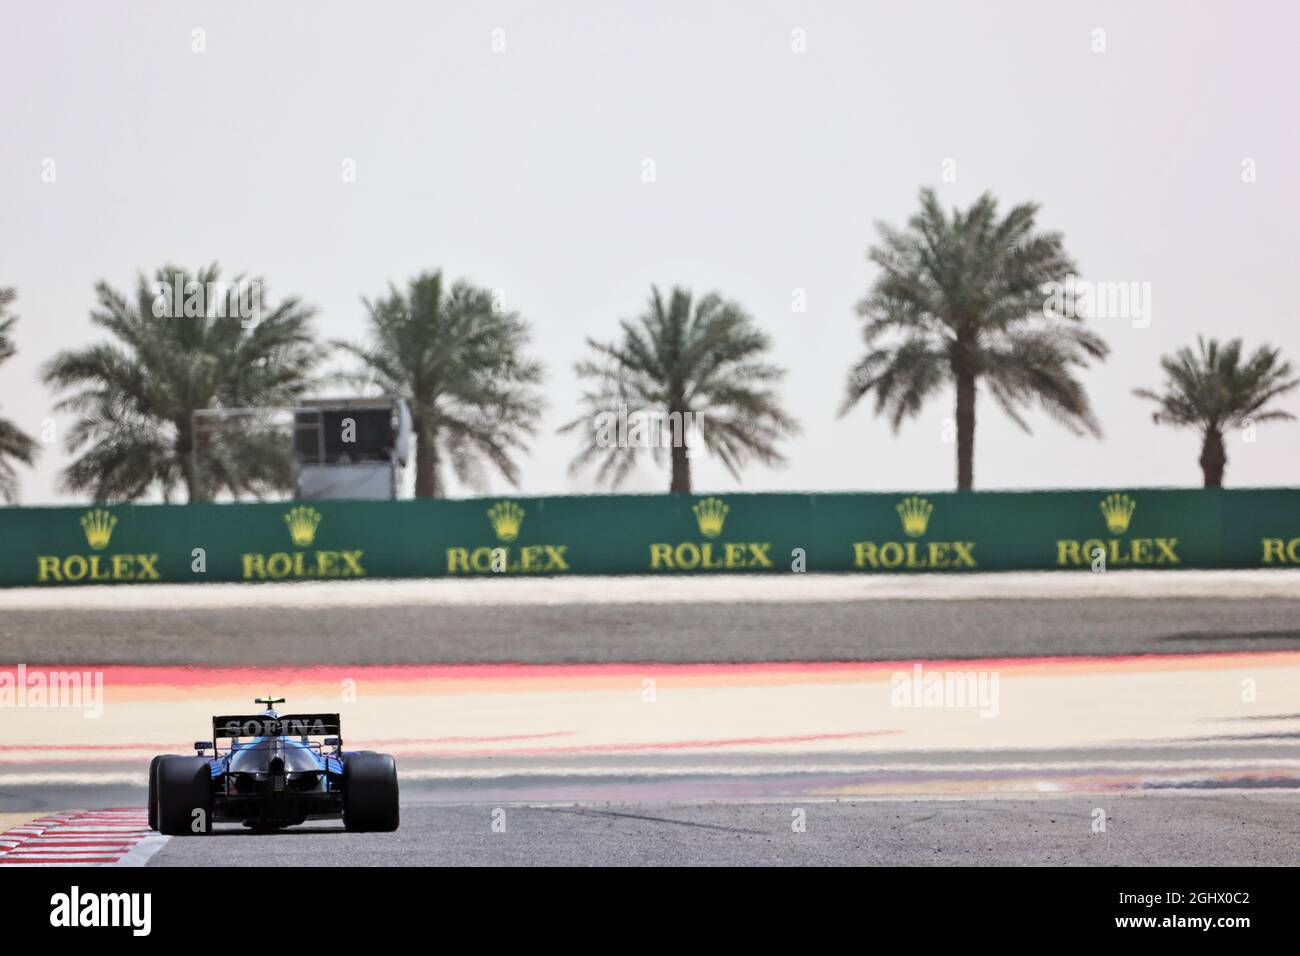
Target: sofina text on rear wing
290, 725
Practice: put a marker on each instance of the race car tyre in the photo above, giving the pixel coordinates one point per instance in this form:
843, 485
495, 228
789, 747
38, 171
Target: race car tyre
370, 793
153, 792
184, 796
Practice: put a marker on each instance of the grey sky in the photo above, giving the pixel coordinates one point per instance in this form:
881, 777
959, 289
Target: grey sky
522, 170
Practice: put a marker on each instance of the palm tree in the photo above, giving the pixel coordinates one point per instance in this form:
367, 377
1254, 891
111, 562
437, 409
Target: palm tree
674, 364
458, 360
136, 394
1213, 389
14, 444
961, 299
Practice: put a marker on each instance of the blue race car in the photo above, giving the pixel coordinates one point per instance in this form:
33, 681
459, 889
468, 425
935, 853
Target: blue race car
273, 775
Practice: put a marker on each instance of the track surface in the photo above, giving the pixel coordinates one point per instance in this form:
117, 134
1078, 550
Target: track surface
1186, 766
841, 631
832, 739
1170, 830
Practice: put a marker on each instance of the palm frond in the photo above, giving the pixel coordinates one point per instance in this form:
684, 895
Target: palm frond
15, 445
460, 362
963, 293
1212, 388
704, 357
135, 395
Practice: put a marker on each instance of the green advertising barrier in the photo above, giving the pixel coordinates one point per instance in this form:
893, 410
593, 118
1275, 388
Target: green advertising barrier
652, 534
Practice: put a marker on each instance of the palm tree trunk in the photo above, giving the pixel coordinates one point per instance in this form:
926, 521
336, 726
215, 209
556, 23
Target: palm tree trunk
681, 481
185, 452
426, 463
965, 431
193, 490
1213, 458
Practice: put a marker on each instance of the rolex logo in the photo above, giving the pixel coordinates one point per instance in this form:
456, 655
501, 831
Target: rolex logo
1118, 511
710, 555
1115, 552
709, 515
914, 515
506, 517
302, 522
98, 525
914, 512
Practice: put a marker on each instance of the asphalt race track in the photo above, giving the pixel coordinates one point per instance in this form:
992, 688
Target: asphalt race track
842, 631
1094, 732
1057, 832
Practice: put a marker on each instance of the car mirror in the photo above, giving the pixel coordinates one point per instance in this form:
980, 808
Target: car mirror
202, 745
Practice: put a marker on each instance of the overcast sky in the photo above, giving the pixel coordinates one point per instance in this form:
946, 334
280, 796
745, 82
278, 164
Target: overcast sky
521, 169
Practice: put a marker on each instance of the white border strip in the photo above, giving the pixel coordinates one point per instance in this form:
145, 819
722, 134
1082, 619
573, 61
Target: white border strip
774, 588
143, 852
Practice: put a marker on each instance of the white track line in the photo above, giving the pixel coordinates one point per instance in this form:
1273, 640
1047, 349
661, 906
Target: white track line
143, 852
669, 589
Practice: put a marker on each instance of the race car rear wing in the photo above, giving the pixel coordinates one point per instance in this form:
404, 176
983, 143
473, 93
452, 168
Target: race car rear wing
289, 725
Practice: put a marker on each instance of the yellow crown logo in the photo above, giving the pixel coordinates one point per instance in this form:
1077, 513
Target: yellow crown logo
914, 512
709, 515
506, 517
302, 522
98, 525
1118, 510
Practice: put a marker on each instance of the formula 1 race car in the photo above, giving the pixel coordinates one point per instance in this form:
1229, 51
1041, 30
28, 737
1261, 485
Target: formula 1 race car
273, 775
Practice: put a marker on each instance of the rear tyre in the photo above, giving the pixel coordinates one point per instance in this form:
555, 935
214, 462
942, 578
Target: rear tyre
184, 796
370, 793
153, 792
